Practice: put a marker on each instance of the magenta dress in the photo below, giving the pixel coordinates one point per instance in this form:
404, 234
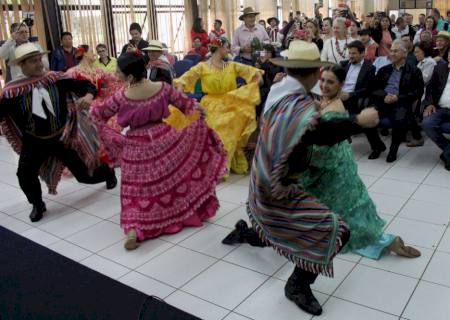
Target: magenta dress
169, 176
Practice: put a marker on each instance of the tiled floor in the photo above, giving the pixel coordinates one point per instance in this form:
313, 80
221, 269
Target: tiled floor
195, 272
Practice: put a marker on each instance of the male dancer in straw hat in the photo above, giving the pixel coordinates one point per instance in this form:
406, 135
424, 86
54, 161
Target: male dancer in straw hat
245, 35
283, 215
34, 112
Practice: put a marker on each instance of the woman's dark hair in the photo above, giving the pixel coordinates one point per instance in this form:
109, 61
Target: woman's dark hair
426, 47
357, 24
270, 48
135, 26
132, 63
79, 54
434, 21
365, 32
329, 20
14, 27
390, 23
338, 71
218, 21
358, 45
224, 41
197, 27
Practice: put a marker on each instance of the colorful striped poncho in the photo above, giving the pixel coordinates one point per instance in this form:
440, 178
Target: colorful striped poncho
287, 218
79, 132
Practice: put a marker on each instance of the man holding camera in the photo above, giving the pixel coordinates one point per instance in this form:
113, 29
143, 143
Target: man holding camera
20, 34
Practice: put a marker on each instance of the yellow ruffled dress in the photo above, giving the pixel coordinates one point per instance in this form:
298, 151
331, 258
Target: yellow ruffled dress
230, 110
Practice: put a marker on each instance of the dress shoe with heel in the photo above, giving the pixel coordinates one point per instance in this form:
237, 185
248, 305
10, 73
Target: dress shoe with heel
302, 296
111, 183
375, 154
37, 213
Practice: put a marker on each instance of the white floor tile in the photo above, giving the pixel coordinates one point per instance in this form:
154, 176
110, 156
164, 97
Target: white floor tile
337, 309
269, 302
15, 204
132, 259
417, 233
414, 175
377, 289
115, 219
64, 188
225, 284
234, 216
195, 306
14, 224
387, 203
176, 266
39, 236
70, 250
368, 180
430, 301
69, 224
433, 194
426, 212
438, 269
235, 316
438, 177
183, 234
83, 198
404, 266
323, 284
54, 211
224, 209
394, 188
98, 237
8, 193
371, 168
264, 260
104, 208
104, 266
418, 159
209, 241
146, 285
444, 245
234, 194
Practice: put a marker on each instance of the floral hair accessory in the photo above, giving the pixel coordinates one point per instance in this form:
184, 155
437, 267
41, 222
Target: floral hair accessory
217, 42
80, 51
348, 23
137, 52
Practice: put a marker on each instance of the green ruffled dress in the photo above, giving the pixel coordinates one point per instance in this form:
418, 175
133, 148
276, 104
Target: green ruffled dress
332, 176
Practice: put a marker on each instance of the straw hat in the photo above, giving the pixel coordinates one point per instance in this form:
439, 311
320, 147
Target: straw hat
300, 55
25, 51
443, 34
154, 45
248, 11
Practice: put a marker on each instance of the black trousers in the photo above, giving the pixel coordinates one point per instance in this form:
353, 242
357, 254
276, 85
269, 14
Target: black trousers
36, 151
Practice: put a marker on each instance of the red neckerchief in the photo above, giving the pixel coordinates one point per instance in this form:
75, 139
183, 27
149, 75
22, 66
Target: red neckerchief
218, 34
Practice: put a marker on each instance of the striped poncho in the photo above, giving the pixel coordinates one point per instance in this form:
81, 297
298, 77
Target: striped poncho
287, 218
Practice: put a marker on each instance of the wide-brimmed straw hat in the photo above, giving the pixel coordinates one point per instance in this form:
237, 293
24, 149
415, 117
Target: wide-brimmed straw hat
300, 55
154, 45
443, 34
248, 11
25, 51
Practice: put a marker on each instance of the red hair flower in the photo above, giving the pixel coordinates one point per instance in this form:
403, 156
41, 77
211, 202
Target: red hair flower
348, 23
216, 42
80, 51
138, 52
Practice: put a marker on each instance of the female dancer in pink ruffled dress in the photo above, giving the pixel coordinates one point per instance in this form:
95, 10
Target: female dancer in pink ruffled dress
169, 176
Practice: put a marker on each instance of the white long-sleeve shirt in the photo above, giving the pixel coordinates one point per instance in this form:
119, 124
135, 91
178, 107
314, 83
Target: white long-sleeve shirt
330, 52
7, 52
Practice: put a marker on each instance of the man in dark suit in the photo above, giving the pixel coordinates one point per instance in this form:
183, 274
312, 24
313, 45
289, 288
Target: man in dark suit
360, 74
437, 109
395, 89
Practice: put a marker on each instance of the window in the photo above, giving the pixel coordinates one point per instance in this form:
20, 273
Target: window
171, 24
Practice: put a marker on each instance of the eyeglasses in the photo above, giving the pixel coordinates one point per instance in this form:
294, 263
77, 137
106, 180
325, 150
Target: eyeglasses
101, 51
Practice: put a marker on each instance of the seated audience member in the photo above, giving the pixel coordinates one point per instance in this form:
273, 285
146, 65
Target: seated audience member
198, 31
442, 46
429, 26
395, 89
426, 63
410, 58
63, 57
381, 62
370, 45
354, 29
104, 61
409, 24
158, 68
217, 31
273, 29
360, 74
170, 57
437, 109
312, 33
198, 48
136, 41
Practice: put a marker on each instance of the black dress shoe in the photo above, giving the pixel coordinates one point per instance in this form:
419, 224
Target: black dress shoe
111, 183
446, 162
375, 154
391, 157
238, 234
38, 212
303, 297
